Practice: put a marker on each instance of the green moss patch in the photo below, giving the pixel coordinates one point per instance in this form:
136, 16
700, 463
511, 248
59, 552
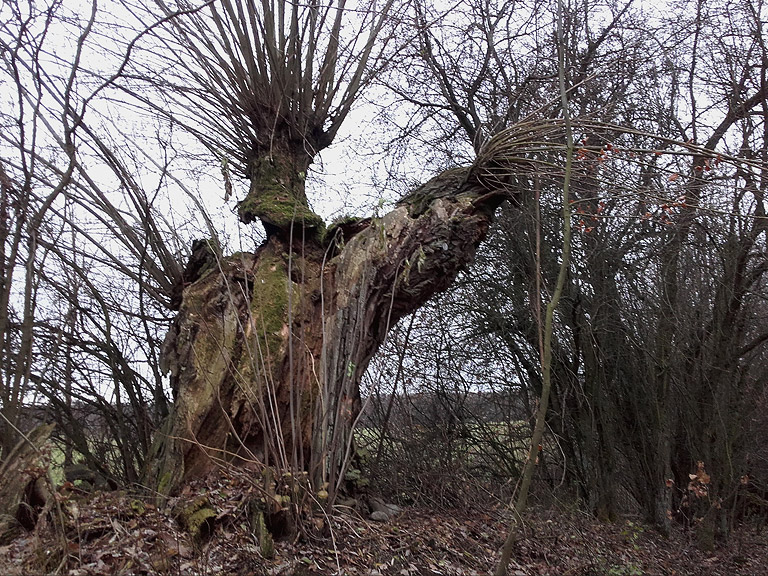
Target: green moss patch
197, 518
277, 196
269, 309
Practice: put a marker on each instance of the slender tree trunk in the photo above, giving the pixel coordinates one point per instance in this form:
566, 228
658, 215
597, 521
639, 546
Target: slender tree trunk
547, 331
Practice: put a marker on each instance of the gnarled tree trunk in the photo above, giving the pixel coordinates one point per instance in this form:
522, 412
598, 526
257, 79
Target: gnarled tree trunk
267, 350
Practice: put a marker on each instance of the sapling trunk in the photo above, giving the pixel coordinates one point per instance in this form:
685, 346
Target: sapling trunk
521, 501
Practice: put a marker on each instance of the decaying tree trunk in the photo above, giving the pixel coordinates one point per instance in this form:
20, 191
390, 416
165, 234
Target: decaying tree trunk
23, 484
268, 348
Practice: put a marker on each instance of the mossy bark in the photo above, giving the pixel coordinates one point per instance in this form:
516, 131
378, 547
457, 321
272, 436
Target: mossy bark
267, 351
197, 518
277, 194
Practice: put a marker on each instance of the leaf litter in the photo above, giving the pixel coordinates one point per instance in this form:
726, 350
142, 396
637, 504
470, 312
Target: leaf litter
116, 533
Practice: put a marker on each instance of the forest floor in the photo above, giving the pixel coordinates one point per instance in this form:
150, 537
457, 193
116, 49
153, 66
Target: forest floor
115, 533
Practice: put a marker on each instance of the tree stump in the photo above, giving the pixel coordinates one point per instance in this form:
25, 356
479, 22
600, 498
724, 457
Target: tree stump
24, 484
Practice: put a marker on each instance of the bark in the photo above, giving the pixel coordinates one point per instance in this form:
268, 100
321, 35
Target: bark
23, 484
277, 195
267, 350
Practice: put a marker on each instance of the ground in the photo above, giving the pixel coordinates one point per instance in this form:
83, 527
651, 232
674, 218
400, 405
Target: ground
118, 533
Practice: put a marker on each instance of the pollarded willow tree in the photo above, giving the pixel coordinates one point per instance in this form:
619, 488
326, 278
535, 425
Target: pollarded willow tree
268, 347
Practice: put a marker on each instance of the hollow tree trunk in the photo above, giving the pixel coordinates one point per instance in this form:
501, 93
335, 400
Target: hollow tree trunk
268, 348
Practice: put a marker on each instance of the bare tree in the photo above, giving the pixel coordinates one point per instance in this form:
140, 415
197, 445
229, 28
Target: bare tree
268, 349
617, 323
26, 206
80, 237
